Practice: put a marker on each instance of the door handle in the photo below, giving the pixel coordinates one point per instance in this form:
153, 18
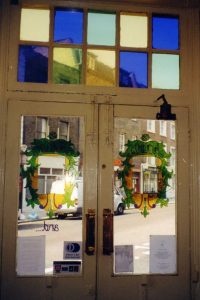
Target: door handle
90, 232
107, 231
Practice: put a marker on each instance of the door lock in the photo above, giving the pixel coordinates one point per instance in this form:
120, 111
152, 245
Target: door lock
107, 231
90, 232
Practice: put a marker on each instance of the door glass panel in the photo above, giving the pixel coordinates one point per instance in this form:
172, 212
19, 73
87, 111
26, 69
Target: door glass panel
144, 197
49, 236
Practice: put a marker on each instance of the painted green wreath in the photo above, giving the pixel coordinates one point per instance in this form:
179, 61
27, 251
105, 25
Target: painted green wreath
41, 147
144, 147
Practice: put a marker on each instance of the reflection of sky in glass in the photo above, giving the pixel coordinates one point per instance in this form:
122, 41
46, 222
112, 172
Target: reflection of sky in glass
165, 33
101, 29
68, 26
133, 69
33, 64
165, 71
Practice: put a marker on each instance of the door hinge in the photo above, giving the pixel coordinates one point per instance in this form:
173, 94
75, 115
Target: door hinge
195, 276
189, 134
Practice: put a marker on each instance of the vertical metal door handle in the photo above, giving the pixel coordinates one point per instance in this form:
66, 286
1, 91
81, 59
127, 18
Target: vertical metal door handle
107, 232
90, 232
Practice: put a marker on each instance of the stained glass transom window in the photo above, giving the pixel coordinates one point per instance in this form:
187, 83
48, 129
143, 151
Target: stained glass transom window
99, 48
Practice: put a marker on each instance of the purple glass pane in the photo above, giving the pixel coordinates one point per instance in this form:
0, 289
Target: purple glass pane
68, 26
133, 69
33, 64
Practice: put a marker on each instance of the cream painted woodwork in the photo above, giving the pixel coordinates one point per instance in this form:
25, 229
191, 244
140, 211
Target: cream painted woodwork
97, 281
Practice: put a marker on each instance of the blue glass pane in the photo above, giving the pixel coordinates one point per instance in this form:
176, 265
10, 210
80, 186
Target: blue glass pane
101, 28
165, 32
33, 64
68, 26
133, 69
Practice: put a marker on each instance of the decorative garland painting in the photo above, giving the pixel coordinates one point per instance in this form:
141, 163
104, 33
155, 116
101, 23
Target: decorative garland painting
145, 200
51, 146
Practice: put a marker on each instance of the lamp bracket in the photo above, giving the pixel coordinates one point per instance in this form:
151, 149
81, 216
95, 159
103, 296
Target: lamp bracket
165, 110
14, 2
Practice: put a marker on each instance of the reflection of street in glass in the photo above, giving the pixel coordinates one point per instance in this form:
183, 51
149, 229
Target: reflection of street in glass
124, 259
65, 186
58, 186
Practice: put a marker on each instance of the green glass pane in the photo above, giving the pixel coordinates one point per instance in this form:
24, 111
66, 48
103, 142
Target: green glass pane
133, 30
165, 71
34, 25
100, 67
101, 28
67, 65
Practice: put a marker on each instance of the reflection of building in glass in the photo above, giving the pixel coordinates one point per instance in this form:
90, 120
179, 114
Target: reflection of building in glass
128, 79
145, 175
33, 64
50, 166
40, 127
98, 73
67, 65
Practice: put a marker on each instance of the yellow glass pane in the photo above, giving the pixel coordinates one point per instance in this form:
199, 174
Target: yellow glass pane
133, 31
65, 56
100, 67
67, 65
34, 25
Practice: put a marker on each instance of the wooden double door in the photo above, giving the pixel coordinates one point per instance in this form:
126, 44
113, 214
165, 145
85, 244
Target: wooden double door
39, 260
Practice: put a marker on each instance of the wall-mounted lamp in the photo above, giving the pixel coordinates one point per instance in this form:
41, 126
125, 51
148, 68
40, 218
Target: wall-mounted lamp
165, 110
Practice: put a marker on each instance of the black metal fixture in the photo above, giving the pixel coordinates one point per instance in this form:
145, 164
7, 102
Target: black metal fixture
14, 2
165, 110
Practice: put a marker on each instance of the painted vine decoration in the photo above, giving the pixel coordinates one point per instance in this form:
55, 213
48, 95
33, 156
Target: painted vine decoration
145, 147
45, 146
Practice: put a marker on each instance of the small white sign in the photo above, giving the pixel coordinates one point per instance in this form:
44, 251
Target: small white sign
31, 256
163, 254
124, 259
67, 267
72, 250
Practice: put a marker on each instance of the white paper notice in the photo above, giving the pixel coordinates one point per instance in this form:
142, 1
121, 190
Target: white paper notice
124, 259
163, 254
31, 256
